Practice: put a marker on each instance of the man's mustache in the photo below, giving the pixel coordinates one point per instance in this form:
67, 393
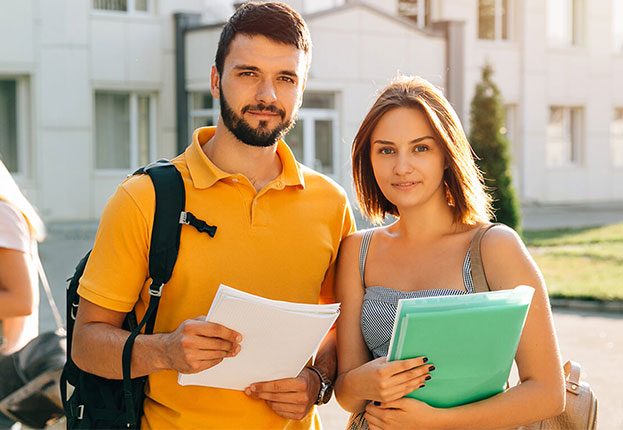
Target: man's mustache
262, 107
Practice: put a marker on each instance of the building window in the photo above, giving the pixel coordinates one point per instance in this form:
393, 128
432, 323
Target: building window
616, 137
416, 10
617, 24
313, 138
493, 19
564, 136
564, 23
127, 6
8, 124
124, 130
204, 110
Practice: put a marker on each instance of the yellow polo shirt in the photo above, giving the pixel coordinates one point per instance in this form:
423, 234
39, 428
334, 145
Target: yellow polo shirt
280, 243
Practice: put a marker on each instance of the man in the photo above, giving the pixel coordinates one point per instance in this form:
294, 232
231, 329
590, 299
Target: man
279, 228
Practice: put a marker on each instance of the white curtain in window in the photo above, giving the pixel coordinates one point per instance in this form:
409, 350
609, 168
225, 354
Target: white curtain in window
112, 131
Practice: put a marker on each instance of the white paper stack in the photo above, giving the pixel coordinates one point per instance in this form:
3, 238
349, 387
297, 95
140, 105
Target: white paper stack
278, 338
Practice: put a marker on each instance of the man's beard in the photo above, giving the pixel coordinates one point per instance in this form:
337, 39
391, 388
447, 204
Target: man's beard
260, 136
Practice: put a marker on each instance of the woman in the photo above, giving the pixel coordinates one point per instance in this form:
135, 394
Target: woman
411, 159
20, 229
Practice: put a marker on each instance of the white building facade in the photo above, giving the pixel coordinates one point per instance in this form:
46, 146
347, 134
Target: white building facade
91, 90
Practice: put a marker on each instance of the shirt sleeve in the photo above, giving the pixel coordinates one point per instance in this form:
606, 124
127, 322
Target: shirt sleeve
14, 230
348, 226
118, 266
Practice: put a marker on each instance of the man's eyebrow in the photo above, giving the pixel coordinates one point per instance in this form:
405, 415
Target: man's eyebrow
257, 69
246, 67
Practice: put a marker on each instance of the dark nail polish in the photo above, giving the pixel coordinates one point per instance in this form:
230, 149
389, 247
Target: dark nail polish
425, 359
422, 386
427, 378
377, 403
431, 368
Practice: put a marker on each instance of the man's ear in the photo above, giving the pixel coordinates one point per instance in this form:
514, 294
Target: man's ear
215, 83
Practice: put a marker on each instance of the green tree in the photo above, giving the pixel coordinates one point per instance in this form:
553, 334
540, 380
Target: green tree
492, 149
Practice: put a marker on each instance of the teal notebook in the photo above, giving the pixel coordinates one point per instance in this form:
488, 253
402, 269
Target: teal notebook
471, 339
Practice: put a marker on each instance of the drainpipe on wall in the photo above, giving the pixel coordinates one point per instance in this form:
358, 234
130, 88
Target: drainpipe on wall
183, 21
454, 32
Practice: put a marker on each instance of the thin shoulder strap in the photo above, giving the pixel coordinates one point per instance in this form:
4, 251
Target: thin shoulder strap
363, 254
478, 271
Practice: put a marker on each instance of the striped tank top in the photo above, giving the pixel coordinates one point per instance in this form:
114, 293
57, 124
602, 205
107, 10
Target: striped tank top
380, 303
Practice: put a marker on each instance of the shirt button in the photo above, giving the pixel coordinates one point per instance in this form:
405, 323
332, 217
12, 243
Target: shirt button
234, 179
255, 203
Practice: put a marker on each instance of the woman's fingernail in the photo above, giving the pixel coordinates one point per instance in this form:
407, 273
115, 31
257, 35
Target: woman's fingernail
431, 368
377, 403
427, 378
425, 359
422, 386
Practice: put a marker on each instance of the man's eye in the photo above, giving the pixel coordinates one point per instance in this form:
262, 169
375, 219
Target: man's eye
247, 74
287, 79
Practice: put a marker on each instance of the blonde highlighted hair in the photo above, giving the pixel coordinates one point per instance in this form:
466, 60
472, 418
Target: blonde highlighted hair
10, 192
464, 183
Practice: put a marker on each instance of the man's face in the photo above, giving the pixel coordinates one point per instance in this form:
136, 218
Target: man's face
261, 88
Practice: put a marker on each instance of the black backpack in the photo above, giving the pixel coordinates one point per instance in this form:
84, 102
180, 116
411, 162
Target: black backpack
93, 402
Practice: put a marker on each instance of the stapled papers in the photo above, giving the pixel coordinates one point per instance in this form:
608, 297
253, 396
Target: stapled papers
278, 338
471, 339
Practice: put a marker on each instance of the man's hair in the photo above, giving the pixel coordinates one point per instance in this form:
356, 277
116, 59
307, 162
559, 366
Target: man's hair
463, 181
275, 21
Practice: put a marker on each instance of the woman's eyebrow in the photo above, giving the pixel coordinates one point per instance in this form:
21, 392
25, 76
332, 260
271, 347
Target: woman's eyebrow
388, 142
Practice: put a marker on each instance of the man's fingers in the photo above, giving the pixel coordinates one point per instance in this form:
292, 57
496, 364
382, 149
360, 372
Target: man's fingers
280, 386
299, 398
209, 329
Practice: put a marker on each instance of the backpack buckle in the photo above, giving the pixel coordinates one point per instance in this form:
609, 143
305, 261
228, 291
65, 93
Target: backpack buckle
80, 412
155, 290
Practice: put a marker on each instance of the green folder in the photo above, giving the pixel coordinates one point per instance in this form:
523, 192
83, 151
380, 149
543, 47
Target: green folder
471, 339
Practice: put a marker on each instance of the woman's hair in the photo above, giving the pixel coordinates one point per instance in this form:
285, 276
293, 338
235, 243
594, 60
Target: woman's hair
463, 182
10, 192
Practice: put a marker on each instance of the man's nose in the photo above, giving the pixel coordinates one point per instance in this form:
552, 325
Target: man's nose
266, 92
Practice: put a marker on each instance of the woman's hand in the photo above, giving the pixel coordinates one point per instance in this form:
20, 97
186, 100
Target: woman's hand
402, 414
384, 381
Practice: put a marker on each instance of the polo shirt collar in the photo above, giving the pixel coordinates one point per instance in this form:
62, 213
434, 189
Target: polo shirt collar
204, 173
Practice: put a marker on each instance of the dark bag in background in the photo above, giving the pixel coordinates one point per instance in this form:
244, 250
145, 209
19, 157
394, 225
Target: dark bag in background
29, 377
93, 402
29, 389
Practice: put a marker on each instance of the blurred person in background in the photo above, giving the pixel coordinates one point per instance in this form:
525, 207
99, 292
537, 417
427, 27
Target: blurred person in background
20, 230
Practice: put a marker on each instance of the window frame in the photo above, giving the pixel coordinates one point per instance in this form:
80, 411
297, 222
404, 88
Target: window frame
577, 26
134, 134
130, 12
617, 32
498, 34
576, 120
614, 136
22, 102
423, 16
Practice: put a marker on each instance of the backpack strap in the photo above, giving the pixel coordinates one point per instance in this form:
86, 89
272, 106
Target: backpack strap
478, 271
165, 243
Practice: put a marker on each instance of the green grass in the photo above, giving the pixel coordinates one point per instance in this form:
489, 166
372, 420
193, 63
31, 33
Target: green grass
581, 263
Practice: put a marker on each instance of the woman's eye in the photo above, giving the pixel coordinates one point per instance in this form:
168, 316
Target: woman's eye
386, 151
421, 148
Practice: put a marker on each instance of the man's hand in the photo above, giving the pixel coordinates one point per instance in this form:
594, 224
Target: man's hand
197, 345
291, 398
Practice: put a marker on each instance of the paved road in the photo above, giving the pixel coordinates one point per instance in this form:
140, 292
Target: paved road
593, 339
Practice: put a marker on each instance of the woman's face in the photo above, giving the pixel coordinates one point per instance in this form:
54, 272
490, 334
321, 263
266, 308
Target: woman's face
408, 162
